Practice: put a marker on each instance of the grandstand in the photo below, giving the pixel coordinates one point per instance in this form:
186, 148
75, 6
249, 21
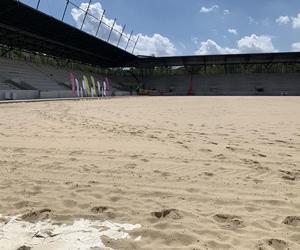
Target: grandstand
36, 63
37, 80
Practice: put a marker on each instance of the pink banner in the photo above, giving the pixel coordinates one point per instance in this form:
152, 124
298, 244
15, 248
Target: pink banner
73, 83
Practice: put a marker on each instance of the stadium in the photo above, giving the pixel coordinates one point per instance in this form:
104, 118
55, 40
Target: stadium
103, 148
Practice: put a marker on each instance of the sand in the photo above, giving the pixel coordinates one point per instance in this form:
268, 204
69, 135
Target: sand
194, 172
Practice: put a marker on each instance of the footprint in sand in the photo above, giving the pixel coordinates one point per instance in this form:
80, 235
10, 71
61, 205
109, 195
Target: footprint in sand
205, 150
231, 148
171, 136
262, 155
250, 162
284, 155
96, 195
231, 221
288, 175
24, 248
167, 213
19, 150
251, 209
208, 174
69, 203
38, 215
220, 157
114, 199
257, 181
193, 190
130, 166
292, 221
260, 168
163, 174
79, 186
22, 204
94, 182
134, 156
273, 244
152, 136
99, 209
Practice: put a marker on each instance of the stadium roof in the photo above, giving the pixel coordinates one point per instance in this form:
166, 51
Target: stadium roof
262, 58
24, 27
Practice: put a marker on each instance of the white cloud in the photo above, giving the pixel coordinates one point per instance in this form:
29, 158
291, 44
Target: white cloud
156, 44
251, 20
147, 45
233, 31
209, 9
266, 22
226, 12
296, 46
195, 40
256, 44
213, 9
296, 21
248, 44
210, 47
182, 45
283, 20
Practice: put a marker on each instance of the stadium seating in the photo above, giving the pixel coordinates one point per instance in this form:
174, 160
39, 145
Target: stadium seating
27, 75
24, 77
4, 85
225, 84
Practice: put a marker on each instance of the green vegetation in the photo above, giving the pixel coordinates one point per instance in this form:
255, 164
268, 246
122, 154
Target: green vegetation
40, 58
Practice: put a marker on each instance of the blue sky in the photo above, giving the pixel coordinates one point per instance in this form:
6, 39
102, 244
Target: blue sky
187, 27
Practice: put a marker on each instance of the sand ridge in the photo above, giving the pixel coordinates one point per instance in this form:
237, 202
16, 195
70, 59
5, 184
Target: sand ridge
194, 172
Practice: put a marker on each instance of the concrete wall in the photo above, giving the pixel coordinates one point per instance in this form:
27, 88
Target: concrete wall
18, 94
122, 93
35, 94
229, 84
55, 94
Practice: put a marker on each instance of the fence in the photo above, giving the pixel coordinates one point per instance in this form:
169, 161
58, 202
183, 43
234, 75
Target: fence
103, 30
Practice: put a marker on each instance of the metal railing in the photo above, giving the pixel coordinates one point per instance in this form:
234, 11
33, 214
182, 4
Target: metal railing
121, 34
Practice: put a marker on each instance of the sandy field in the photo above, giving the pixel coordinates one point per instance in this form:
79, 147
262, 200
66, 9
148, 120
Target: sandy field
193, 172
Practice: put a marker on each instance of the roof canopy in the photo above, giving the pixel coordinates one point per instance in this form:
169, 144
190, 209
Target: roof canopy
262, 58
24, 27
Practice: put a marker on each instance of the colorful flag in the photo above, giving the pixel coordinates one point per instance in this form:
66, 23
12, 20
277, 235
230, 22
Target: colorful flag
72, 79
87, 85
